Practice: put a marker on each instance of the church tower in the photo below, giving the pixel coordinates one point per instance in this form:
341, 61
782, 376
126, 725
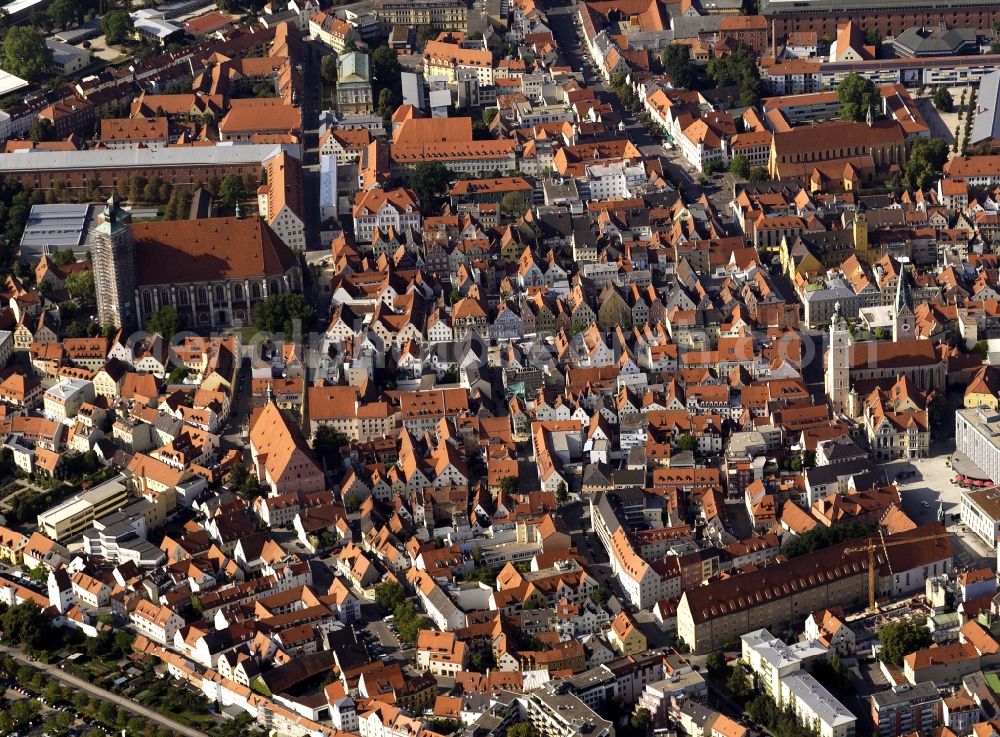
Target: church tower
903, 318
837, 379
113, 256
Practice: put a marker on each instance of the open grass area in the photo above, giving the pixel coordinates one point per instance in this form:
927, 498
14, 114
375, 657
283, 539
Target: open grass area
993, 681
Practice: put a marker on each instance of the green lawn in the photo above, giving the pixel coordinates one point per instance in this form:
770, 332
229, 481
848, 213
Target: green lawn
993, 681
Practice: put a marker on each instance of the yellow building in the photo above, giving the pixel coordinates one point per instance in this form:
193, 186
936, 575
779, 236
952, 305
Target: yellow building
70, 518
625, 635
983, 389
12, 544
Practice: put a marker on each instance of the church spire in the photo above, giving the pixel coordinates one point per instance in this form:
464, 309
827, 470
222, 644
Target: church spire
903, 317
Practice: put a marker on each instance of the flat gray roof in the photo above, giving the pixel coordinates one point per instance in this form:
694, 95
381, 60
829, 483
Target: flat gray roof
58, 226
9, 83
127, 158
986, 124
62, 50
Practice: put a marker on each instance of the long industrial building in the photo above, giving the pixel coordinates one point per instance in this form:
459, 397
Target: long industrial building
890, 17
785, 593
180, 166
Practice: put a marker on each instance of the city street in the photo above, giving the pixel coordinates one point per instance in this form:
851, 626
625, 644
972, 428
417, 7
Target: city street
311, 106
563, 20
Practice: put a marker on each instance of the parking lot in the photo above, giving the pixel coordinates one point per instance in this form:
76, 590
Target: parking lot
380, 638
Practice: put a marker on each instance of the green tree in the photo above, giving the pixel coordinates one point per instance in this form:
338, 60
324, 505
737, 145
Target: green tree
761, 710
232, 190
522, 729
246, 484
328, 69
327, 442
758, 174
279, 312
444, 726
164, 321
686, 442
42, 130
386, 71
81, 286
713, 166
53, 692
25, 53
823, 537
482, 660
739, 68
509, 485
899, 639
737, 683
123, 642
429, 181
621, 88
62, 13
943, 100
25, 624
740, 166
641, 721
389, 595
388, 101
562, 494
857, 96
64, 257
873, 37
716, 663
923, 166
489, 113
514, 204
178, 375
117, 26
409, 623
600, 595
107, 713
678, 65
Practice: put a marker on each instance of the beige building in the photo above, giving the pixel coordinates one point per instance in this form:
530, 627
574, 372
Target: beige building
442, 653
781, 669
64, 399
70, 518
441, 15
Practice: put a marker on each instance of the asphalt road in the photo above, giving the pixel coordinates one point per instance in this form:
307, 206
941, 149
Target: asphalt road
123, 703
311, 106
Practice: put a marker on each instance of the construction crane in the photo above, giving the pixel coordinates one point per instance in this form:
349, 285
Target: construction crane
871, 546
